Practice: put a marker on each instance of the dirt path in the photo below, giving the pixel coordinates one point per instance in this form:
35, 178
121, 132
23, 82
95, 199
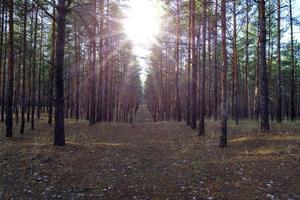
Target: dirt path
147, 160
143, 115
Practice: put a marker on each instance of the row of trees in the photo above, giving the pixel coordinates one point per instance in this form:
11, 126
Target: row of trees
220, 59
65, 59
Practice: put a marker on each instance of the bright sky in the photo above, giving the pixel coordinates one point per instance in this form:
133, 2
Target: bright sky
296, 14
142, 25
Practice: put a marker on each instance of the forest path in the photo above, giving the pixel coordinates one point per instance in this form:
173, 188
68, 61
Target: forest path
149, 160
143, 115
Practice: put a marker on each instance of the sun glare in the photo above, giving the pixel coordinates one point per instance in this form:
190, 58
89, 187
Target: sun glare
143, 21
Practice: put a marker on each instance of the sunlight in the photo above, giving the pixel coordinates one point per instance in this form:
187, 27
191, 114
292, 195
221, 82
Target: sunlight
142, 24
143, 21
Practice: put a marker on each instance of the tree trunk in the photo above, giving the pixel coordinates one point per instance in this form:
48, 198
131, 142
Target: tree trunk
201, 130
51, 71
264, 96
4, 73
92, 117
178, 109
279, 95
1, 44
100, 82
235, 80
194, 66
293, 113
77, 81
246, 96
10, 88
256, 87
223, 137
59, 130
188, 76
34, 70
209, 62
31, 59
40, 70
216, 78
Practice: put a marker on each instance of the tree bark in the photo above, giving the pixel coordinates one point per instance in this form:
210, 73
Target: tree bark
188, 68
216, 78
77, 81
177, 109
279, 95
201, 130
59, 130
293, 113
223, 137
31, 59
194, 66
1, 44
34, 70
246, 89
264, 94
235, 80
10, 88
51, 70
41, 62
3, 104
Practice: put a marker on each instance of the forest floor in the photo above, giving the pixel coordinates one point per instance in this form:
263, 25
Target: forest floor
147, 160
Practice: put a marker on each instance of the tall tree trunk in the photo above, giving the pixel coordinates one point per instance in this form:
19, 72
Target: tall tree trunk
1, 42
216, 78
167, 88
194, 66
223, 137
256, 87
10, 88
209, 62
4, 73
279, 95
17, 89
77, 81
34, 70
246, 90
40, 70
100, 82
59, 130
92, 117
160, 92
293, 113
67, 66
105, 104
269, 62
235, 80
31, 59
51, 70
201, 130
188, 76
264, 94
178, 109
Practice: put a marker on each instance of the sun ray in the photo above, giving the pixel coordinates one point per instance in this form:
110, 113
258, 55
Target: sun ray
143, 21
142, 24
